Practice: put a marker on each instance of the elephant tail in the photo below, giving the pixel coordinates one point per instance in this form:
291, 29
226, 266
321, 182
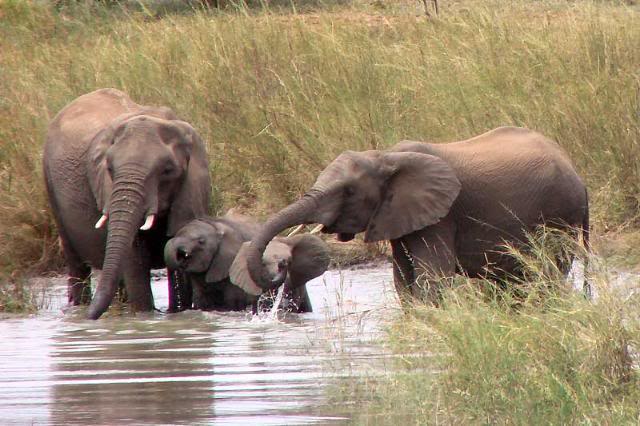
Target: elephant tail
586, 285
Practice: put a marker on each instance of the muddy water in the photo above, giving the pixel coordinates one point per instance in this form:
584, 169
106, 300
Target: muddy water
196, 367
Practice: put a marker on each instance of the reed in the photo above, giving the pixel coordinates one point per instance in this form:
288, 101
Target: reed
277, 94
540, 355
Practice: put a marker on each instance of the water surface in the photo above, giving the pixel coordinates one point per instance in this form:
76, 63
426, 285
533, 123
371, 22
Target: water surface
196, 367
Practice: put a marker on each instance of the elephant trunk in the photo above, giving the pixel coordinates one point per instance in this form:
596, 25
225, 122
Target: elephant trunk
171, 255
126, 211
279, 278
297, 213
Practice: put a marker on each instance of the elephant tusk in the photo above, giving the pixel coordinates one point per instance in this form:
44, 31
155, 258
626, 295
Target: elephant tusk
296, 230
101, 221
316, 229
148, 223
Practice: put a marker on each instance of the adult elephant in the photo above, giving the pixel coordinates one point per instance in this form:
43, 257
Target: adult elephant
206, 248
135, 170
446, 208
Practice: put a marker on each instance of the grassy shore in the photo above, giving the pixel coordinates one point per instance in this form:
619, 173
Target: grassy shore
544, 356
477, 361
278, 95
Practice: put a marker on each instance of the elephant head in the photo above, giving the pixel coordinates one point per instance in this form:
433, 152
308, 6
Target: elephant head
145, 169
298, 259
204, 247
384, 194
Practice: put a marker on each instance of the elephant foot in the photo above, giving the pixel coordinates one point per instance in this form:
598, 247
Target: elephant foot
78, 292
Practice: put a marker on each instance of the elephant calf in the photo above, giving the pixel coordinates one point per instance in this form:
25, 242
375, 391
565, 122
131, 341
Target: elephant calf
205, 249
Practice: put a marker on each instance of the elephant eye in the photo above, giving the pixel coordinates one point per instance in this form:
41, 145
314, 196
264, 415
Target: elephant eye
201, 241
349, 191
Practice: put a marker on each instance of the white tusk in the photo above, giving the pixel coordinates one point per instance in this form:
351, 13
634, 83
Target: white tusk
148, 223
295, 230
101, 221
317, 229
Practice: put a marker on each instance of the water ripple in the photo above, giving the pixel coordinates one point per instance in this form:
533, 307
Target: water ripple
195, 367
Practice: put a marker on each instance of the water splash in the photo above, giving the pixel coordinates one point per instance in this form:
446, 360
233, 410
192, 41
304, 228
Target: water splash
276, 302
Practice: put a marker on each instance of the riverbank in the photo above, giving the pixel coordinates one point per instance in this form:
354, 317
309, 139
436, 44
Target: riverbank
542, 354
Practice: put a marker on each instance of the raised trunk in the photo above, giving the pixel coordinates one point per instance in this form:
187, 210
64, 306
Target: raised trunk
125, 216
294, 214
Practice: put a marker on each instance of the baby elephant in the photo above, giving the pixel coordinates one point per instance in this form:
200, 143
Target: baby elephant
205, 248
292, 261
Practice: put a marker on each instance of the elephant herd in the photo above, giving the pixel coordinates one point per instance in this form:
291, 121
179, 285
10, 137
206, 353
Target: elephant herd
129, 188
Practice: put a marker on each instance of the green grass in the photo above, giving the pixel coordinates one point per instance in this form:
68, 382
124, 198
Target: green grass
545, 356
277, 95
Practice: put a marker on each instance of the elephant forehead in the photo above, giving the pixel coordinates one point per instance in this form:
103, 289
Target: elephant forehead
351, 163
151, 128
193, 230
276, 251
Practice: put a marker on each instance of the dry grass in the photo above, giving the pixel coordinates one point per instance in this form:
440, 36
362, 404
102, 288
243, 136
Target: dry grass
540, 355
277, 95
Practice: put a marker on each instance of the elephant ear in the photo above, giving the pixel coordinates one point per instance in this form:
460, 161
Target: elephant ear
419, 192
99, 178
239, 272
309, 258
192, 198
229, 243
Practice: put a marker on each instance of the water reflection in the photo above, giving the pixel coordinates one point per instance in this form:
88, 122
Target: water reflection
196, 367
131, 371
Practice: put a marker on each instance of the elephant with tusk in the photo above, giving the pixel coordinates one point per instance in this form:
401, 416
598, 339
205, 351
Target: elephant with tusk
445, 208
122, 178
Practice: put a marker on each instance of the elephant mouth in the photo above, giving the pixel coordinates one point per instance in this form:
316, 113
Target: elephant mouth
342, 236
182, 259
345, 236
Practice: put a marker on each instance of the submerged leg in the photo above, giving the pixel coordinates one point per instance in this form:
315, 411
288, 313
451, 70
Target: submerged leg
137, 277
79, 281
432, 254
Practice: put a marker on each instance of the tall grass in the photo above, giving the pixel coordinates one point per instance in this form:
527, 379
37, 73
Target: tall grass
277, 96
544, 356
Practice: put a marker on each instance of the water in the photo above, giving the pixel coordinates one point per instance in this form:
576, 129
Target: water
196, 367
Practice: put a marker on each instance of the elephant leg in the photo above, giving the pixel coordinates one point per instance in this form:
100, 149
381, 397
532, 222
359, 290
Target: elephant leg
403, 274
137, 277
201, 299
79, 281
432, 252
295, 297
235, 299
123, 296
301, 300
79, 284
565, 256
